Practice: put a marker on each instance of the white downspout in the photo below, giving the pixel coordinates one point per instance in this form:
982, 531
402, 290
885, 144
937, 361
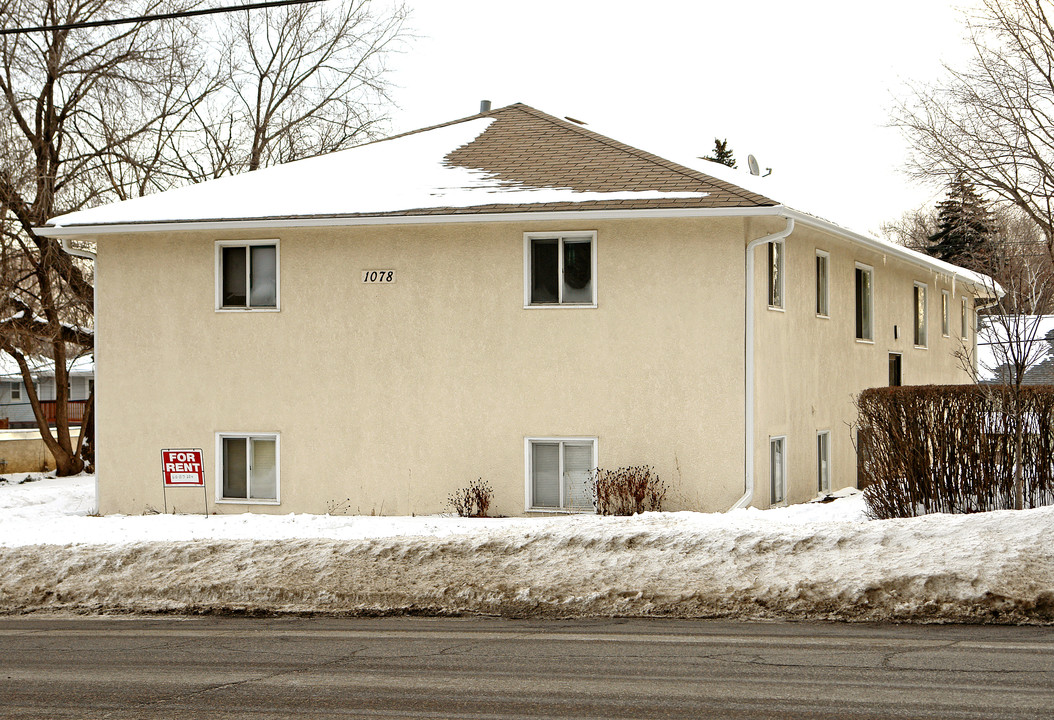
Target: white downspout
748, 374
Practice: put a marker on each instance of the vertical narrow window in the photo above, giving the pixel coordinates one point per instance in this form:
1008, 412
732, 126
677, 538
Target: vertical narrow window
778, 468
16, 391
822, 285
560, 270
946, 313
776, 274
920, 314
559, 473
823, 461
964, 321
247, 275
249, 467
864, 295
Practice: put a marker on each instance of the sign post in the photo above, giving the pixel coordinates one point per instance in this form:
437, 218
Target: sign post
182, 467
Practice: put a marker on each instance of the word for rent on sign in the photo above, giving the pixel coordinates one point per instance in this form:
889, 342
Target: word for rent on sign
183, 467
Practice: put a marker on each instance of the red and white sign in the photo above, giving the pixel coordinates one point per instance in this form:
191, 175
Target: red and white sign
183, 468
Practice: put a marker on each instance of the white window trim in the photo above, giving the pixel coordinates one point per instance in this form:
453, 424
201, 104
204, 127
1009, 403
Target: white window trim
16, 391
782, 307
783, 459
277, 469
964, 319
826, 282
819, 433
924, 330
218, 272
946, 313
561, 235
528, 485
870, 301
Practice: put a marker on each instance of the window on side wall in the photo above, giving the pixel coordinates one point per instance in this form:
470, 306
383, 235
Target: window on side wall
864, 303
560, 269
559, 473
964, 321
248, 467
776, 274
247, 276
919, 298
778, 469
823, 461
946, 313
16, 391
822, 284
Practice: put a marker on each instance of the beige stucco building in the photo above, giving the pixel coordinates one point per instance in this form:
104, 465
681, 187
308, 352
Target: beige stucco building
511, 297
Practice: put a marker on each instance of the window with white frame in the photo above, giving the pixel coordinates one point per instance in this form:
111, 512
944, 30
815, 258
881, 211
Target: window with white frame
248, 467
823, 461
776, 274
920, 314
864, 303
964, 321
946, 313
247, 275
822, 284
778, 468
559, 473
560, 269
16, 391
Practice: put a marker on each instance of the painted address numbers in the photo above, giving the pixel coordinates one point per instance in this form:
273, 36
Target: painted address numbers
378, 276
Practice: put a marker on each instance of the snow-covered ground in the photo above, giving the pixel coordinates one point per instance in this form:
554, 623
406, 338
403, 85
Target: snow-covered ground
817, 560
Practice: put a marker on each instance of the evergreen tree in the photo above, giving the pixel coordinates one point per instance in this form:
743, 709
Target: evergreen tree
721, 154
965, 228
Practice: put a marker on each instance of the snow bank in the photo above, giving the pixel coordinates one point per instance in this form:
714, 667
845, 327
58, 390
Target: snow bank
806, 561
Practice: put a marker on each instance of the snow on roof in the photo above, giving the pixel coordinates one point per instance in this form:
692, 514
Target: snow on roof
407, 172
83, 365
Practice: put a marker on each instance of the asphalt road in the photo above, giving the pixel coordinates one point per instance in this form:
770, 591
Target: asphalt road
490, 669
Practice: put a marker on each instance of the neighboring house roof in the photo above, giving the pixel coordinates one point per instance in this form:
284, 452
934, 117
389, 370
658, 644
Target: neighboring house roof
514, 159
1034, 335
83, 365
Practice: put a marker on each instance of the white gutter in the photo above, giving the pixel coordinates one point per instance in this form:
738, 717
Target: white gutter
67, 246
748, 374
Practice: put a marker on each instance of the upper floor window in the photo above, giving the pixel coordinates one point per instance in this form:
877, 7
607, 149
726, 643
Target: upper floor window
16, 391
864, 303
247, 275
776, 274
822, 284
560, 269
920, 314
964, 320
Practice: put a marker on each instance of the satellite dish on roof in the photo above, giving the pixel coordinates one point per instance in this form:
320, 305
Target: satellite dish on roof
752, 163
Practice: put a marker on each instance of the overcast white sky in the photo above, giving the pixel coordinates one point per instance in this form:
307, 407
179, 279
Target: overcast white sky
805, 86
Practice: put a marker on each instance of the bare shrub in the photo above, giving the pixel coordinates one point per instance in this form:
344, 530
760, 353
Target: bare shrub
472, 501
627, 490
951, 449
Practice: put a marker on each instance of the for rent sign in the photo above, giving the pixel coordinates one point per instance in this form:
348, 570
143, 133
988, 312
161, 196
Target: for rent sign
183, 468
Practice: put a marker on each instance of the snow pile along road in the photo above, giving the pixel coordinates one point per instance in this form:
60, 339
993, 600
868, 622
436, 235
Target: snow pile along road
806, 561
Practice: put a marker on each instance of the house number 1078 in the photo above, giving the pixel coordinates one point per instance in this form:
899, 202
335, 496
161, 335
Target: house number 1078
378, 276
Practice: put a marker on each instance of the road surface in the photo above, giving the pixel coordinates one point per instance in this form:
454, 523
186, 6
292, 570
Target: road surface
491, 669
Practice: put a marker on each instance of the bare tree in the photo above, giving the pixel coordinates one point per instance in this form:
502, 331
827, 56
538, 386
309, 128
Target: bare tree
114, 112
1011, 338
993, 120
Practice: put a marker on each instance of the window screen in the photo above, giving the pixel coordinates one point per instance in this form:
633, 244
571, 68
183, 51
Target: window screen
545, 475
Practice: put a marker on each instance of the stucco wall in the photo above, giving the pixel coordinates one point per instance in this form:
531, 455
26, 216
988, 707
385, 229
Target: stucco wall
390, 397
810, 368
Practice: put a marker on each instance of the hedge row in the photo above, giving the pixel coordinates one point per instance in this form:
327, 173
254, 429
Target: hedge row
927, 449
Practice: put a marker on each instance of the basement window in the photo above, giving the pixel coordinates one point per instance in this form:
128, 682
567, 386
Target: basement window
559, 471
248, 467
247, 275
